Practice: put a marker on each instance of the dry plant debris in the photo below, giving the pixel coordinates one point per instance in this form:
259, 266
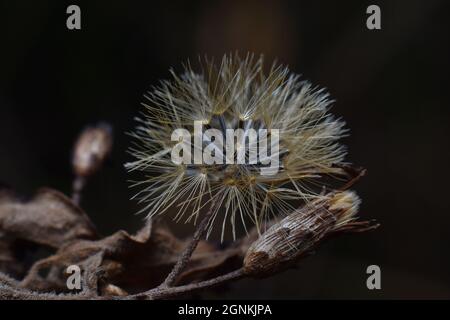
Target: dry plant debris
154, 263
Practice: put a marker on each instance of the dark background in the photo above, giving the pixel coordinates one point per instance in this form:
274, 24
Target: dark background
390, 86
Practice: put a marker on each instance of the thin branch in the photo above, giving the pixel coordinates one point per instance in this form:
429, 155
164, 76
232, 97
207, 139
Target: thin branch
232, 276
10, 290
77, 188
187, 253
167, 292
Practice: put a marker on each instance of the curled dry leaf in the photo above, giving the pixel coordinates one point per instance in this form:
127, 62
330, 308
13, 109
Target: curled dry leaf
49, 218
126, 263
113, 265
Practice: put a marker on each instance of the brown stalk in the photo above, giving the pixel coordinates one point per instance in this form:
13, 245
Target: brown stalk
183, 260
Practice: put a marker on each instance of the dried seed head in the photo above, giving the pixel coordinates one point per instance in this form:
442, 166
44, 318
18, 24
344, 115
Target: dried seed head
292, 237
237, 95
91, 149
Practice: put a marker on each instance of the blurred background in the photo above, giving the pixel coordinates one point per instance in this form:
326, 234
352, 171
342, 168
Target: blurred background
390, 85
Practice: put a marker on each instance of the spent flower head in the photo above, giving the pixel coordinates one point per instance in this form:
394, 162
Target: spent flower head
236, 94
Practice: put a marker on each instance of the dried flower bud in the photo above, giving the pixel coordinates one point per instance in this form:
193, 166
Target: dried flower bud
292, 237
92, 147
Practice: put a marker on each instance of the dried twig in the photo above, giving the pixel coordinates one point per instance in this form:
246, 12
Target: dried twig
187, 253
168, 292
77, 188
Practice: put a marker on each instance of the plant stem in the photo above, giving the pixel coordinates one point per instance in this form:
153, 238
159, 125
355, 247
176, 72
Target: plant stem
167, 292
187, 253
77, 188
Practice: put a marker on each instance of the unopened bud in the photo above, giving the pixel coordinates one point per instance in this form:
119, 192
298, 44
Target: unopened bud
286, 241
91, 149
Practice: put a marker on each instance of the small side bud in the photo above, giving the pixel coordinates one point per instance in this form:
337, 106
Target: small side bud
285, 242
91, 149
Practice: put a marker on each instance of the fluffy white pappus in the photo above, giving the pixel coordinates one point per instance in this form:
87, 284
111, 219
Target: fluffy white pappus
235, 94
347, 203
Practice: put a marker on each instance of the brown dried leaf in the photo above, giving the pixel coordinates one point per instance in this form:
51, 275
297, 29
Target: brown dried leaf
110, 253
8, 261
131, 263
50, 218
